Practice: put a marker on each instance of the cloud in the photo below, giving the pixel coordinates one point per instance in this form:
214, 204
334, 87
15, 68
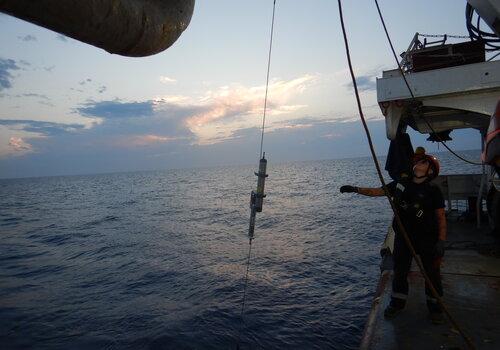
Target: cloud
85, 81
310, 138
209, 116
26, 136
364, 83
28, 37
236, 102
246, 132
45, 103
174, 99
116, 128
296, 126
116, 109
43, 97
18, 145
6, 66
331, 136
49, 69
137, 124
166, 126
102, 89
167, 80
41, 128
144, 140
311, 121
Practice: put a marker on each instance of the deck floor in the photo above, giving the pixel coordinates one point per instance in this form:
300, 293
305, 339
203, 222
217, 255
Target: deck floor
471, 283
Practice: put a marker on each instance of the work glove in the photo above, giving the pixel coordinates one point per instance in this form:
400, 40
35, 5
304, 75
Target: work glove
348, 188
439, 249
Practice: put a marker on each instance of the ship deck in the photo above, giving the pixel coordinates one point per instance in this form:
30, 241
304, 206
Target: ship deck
471, 283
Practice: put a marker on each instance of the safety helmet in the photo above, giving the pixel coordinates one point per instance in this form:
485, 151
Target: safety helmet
434, 163
418, 155
432, 160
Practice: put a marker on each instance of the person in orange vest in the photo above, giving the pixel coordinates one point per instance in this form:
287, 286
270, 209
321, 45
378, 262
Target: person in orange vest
420, 205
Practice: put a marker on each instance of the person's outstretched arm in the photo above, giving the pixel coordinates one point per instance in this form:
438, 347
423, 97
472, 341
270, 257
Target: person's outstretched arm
365, 191
371, 192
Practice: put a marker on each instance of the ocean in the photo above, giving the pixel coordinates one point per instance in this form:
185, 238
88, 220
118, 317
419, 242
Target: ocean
156, 260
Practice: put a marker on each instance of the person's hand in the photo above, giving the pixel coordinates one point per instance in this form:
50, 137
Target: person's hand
348, 188
439, 249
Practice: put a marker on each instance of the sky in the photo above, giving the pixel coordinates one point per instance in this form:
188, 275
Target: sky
70, 108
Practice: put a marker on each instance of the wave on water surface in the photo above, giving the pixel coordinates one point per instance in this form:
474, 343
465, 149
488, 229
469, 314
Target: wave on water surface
156, 259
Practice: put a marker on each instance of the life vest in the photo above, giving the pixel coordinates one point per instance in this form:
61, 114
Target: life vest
491, 153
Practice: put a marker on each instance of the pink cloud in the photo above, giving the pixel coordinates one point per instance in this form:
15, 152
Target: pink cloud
143, 140
17, 144
166, 80
297, 126
228, 103
331, 136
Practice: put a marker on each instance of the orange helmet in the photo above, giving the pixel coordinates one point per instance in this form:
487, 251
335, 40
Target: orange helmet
434, 163
432, 160
418, 155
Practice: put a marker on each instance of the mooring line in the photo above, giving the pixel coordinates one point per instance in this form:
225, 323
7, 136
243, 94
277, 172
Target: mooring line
257, 197
267, 80
242, 322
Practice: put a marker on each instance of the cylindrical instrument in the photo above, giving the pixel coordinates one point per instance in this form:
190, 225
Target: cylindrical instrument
261, 181
257, 197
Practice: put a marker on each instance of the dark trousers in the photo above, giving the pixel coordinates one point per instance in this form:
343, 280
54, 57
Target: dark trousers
402, 265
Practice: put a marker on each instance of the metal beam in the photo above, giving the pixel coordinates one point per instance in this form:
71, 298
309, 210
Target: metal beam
449, 98
471, 78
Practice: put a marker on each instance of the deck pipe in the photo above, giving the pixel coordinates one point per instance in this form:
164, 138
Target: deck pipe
132, 28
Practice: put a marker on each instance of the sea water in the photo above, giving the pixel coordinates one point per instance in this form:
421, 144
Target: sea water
156, 260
